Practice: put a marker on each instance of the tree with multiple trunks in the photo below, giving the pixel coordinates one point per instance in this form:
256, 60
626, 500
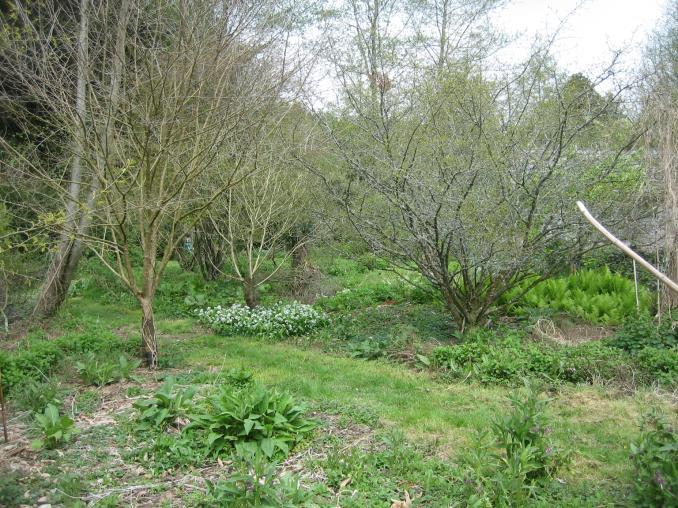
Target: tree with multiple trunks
159, 114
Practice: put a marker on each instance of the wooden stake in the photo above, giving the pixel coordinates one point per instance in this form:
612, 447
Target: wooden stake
627, 250
635, 283
4, 411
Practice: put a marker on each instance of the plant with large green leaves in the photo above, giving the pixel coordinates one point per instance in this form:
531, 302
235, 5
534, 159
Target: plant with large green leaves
253, 420
166, 405
57, 429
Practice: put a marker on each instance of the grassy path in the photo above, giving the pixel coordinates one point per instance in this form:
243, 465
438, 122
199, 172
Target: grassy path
596, 425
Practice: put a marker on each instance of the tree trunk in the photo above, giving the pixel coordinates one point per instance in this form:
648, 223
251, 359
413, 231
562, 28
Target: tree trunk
251, 293
64, 262
58, 278
149, 344
670, 170
299, 257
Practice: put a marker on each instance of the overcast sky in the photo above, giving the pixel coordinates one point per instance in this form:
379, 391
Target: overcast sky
590, 33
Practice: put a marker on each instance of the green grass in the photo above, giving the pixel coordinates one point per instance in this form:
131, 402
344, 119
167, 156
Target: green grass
594, 424
436, 416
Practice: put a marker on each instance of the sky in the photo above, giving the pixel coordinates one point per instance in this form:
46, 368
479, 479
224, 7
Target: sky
592, 31
589, 32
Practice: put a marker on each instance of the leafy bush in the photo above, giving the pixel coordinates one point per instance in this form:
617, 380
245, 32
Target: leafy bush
277, 321
35, 395
166, 405
37, 359
660, 365
170, 450
256, 483
455, 357
240, 378
368, 349
56, 429
528, 458
511, 359
126, 367
596, 296
98, 371
641, 332
527, 426
655, 462
253, 420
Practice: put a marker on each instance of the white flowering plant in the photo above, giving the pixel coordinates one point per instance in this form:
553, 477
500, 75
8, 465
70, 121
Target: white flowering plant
274, 322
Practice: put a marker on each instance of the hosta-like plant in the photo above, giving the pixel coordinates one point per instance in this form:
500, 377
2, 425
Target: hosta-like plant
166, 405
56, 429
96, 371
253, 420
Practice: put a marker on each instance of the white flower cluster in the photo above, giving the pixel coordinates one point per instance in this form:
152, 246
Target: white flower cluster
277, 321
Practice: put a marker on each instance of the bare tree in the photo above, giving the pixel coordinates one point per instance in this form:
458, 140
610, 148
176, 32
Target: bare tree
175, 102
469, 179
258, 216
661, 96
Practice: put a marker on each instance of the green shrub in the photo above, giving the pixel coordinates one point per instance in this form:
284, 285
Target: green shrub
126, 367
343, 266
56, 429
170, 450
509, 360
253, 420
499, 366
37, 359
368, 349
641, 332
372, 262
257, 483
166, 405
37, 362
594, 361
596, 296
527, 461
659, 365
96, 371
460, 355
655, 462
240, 378
34, 396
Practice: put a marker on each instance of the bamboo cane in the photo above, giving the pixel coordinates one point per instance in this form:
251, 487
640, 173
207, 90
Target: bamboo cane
626, 249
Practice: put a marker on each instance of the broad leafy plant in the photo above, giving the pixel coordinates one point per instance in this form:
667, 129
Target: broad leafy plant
253, 420
166, 405
35, 395
641, 332
655, 461
97, 371
526, 461
256, 483
56, 429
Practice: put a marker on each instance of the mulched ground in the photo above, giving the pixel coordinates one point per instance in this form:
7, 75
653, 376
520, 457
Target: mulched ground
101, 449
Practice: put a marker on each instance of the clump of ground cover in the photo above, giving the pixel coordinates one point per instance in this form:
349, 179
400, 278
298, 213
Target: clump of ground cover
275, 322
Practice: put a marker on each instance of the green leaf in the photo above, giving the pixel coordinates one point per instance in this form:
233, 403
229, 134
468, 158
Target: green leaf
268, 446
